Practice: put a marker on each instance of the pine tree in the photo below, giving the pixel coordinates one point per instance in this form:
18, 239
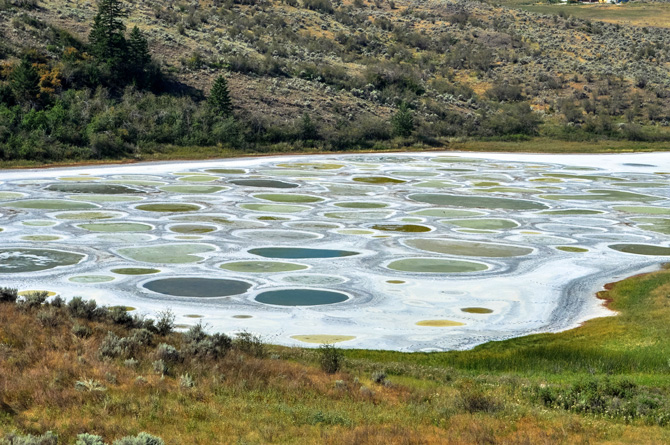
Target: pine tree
25, 82
138, 49
403, 121
139, 58
108, 44
219, 98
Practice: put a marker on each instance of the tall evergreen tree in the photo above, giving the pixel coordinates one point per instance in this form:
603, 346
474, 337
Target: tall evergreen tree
108, 43
25, 83
138, 58
403, 121
219, 98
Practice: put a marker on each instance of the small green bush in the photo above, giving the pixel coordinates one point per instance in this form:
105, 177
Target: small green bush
8, 295
249, 343
47, 438
81, 331
89, 439
79, 308
331, 358
140, 439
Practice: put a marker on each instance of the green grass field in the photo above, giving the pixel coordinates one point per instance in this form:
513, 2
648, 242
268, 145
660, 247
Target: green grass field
634, 14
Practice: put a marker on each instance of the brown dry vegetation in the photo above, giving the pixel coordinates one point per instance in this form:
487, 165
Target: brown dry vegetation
54, 380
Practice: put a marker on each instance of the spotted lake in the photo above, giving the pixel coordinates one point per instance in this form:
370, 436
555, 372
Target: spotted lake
411, 252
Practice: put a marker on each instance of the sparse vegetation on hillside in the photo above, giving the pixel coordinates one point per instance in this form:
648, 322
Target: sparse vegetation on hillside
465, 69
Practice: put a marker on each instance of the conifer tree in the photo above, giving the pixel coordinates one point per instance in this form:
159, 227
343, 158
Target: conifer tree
403, 121
25, 82
139, 58
108, 43
219, 98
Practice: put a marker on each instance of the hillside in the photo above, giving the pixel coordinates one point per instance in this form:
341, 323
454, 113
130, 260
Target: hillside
466, 69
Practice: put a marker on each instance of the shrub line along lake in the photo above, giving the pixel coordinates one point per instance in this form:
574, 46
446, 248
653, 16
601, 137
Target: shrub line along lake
409, 251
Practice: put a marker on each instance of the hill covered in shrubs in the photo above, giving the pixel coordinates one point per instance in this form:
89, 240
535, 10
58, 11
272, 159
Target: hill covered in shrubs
318, 74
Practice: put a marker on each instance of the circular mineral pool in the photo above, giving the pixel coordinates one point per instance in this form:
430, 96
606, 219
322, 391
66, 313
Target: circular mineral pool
278, 236
403, 228
323, 339
355, 232
40, 237
439, 323
116, 227
483, 223
469, 201
311, 166
262, 266
641, 249
192, 189
378, 180
604, 195
197, 287
572, 249
243, 316
192, 228
198, 178
105, 198
300, 252
94, 188
646, 210
275, 208
287, 197
89, 215
447, 213
50, 204
360, 216
11, 195
266, 183
168, 207
362, 205
468, 248
78, 178
23, 293
477, 310
572, 212
226, 171
167, 253
134, 271
33, 260
300, 297
436, 265
91, 279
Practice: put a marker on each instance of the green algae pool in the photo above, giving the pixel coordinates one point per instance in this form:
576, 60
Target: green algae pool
300, 253
192, 228
485, 202
50, 204
482, 224
134, 271
167, 253
193, 189
20, 260
275, 208
197, 287
93, 188
468, 248
641, 249
89, 215
168, 207
262, 266
361, 205
436, 265
402, 228
116, 227
287, 197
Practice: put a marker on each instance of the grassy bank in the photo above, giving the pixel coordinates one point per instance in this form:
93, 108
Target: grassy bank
607, 381
536, 145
